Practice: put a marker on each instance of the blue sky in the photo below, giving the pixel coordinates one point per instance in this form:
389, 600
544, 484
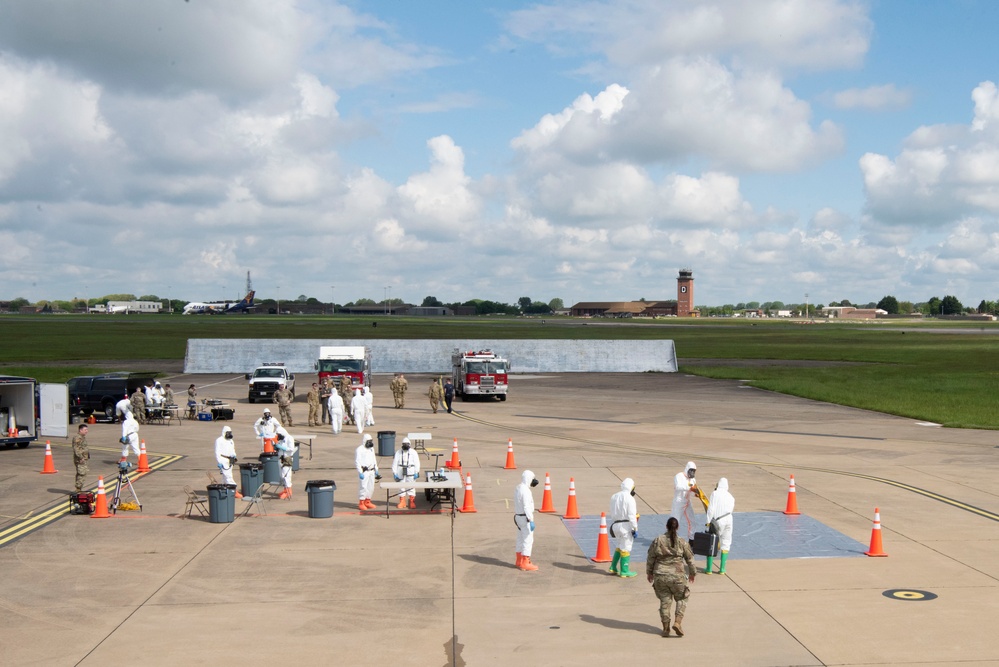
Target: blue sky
580, 150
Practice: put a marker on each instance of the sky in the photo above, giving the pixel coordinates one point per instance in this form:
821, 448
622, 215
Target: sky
582, 150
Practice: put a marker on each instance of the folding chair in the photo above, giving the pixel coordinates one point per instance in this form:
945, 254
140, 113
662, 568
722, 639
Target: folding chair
194, 501
256, 499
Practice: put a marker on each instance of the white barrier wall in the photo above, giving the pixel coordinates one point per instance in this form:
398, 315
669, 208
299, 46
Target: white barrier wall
242, 355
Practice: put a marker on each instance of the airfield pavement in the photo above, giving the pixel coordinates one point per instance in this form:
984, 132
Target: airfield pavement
155, 588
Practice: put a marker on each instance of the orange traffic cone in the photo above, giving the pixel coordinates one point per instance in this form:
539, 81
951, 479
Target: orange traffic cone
455, 462
143, 461
876, 548
510, 465
469, 503
603, 542
48, 468
101, 504
268, 445
570, 510
792, 500
546, 499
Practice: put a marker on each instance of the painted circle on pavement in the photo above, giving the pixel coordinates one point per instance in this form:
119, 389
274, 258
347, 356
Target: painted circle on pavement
909, 594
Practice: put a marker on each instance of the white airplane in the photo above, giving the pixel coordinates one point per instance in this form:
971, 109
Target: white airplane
220, 307
117, 310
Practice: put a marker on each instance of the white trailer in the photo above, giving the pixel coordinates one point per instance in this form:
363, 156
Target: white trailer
29, 410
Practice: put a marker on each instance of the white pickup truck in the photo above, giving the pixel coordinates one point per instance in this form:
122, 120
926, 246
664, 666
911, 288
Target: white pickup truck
266, 379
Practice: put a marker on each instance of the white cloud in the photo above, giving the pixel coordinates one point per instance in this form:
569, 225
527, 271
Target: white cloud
585, 111
875, 98
770, 33
687, 107
71, 125
440, 200
942, 172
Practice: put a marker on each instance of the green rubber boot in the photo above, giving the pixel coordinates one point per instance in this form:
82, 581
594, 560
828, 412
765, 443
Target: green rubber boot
707, 568
625, 565
724, 558
617, 557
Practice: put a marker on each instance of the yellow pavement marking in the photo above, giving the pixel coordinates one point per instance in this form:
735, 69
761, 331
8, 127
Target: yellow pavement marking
61, 508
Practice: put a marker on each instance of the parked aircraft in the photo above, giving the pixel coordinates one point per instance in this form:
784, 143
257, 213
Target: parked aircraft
220, 307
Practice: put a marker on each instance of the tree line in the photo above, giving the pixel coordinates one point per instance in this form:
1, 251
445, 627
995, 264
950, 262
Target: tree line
948, 305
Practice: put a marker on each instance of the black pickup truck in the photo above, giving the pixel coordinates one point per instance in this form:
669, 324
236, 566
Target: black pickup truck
99, 393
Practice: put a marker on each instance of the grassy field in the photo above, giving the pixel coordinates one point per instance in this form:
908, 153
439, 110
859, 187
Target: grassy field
942, 372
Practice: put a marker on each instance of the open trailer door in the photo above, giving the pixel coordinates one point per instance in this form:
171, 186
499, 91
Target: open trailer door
53, 404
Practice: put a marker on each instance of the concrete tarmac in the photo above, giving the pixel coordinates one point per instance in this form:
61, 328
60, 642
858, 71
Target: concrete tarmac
156, 588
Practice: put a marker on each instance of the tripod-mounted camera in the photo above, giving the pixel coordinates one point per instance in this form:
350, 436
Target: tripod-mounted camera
123, 468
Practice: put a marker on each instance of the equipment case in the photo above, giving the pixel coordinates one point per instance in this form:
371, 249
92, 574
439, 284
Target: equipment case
705, 544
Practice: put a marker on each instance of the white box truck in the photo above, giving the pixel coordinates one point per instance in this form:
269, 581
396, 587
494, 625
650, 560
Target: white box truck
354, 362
29, 410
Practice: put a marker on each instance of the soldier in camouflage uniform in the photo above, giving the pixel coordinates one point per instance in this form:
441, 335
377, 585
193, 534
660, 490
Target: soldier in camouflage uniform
346, 393
394, 388
436, 394
283, 397
324, 396
399, 387
312, 398
670, 568
81, 455
139, 405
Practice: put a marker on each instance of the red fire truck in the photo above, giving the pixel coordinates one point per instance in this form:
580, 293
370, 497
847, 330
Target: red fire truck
480, 373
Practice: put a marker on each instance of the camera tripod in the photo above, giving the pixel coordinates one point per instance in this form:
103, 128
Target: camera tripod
123, 480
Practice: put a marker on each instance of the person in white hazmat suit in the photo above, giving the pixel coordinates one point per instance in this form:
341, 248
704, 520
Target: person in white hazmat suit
358, 410
266, 429
685, 489
123, 407
369, 406
406, 468
335, 406
367, 472
129, 436
623, 527
523, 517
285, 446
225, 456
720, 508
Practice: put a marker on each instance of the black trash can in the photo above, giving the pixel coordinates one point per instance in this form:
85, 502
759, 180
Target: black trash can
272, 467
251, 475
320, 497
386, 443
221, 503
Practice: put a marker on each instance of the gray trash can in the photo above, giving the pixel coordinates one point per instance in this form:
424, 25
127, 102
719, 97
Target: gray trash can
251, 475
320, 497
386, 443
294, 458
272, 467
221, 503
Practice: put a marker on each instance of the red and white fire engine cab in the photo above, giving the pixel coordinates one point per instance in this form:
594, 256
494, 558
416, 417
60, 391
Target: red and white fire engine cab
479, 373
